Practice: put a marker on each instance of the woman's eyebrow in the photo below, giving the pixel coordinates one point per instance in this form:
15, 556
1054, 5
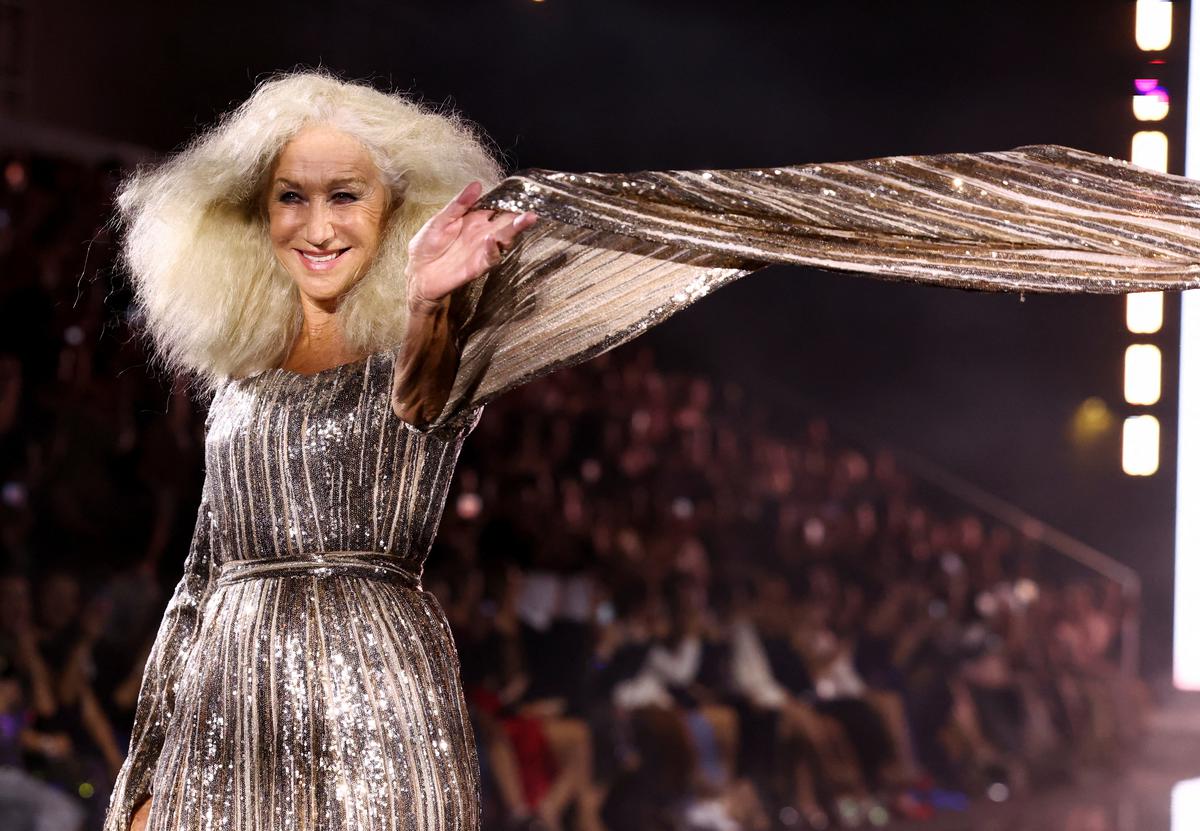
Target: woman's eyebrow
341, 181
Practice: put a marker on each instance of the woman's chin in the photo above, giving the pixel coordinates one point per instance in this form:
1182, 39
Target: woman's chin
323, 292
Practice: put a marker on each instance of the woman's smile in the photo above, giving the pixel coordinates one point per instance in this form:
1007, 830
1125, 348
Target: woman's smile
321, 260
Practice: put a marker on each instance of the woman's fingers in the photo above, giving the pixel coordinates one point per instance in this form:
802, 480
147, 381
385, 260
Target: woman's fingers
490, 254
506, 225
468, 195
501, 232
459, 206
520, 222
479, 237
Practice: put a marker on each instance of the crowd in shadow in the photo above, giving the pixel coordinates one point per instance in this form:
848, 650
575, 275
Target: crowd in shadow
675, 608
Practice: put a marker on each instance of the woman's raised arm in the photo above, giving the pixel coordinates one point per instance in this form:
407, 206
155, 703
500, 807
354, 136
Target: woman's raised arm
456, 246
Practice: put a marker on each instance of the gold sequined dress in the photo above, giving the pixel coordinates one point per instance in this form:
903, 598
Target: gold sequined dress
301, 677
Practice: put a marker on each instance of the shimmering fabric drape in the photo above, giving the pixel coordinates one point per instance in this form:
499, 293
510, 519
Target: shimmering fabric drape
617, 252
302, 679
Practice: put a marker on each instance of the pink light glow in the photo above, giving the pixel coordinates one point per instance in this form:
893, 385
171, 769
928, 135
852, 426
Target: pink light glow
1149, 87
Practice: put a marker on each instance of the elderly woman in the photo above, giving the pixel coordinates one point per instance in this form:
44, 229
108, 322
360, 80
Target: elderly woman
320, 263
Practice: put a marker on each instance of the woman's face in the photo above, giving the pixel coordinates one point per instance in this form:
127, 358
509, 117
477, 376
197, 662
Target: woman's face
326, 206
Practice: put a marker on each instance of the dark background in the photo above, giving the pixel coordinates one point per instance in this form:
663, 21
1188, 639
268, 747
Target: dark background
985, 385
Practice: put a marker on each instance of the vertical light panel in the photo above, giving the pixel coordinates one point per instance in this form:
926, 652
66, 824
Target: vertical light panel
1150, 149
1139, 445
1187, 488
1152, 26
1143, 374
1150, 102
1187, 471
1144, 312
1150, 107
1185, 805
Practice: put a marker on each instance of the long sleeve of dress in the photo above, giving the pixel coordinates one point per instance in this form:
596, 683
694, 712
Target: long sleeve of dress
168, 656
617, 253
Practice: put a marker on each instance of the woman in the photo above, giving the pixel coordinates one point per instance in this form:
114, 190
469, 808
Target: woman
313, 262
267, 259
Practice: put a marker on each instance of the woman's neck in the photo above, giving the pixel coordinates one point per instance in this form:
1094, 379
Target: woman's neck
319, 345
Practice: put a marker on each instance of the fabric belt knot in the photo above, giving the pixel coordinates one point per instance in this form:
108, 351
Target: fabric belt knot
369, 564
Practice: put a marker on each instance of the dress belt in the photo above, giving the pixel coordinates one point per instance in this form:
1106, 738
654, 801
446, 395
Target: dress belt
369, 564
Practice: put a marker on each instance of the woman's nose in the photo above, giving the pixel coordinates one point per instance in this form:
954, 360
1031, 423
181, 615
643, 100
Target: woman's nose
318, 230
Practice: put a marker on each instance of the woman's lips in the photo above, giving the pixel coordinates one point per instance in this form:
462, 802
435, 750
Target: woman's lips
320, 262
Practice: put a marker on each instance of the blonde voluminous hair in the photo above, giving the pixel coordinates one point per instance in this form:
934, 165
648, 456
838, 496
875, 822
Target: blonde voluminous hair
208, 289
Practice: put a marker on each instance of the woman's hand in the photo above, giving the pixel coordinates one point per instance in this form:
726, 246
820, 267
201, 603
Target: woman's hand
141, 816
458, 245
454, 247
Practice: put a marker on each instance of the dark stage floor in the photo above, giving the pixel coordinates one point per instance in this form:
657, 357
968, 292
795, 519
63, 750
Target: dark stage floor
1157, 791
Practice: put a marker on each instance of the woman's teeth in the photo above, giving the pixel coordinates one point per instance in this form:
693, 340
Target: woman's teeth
323, 258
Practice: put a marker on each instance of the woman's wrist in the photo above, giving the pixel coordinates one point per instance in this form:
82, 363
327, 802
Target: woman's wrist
422, 306
418, 304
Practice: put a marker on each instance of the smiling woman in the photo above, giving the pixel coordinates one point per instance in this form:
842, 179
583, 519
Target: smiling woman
300, 260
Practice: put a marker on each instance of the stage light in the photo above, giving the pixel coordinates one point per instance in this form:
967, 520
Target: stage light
1139, 445
1185, 805
1149, 149
1187, 497
1150, 107
1152, 25
1143, 374
1152, 102
1144, 312
1187, 465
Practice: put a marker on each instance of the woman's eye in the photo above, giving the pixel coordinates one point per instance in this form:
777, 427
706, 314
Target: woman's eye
343, 196
289, 196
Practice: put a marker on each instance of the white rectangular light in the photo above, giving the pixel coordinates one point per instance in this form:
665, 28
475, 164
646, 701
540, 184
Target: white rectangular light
1187, 467
1143, 374
1149, 149
1150, 108
1152, 25
1144, 312
1185, 805
1139, 445
1187, 497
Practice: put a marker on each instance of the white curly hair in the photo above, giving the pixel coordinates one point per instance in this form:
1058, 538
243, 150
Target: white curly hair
208, 290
